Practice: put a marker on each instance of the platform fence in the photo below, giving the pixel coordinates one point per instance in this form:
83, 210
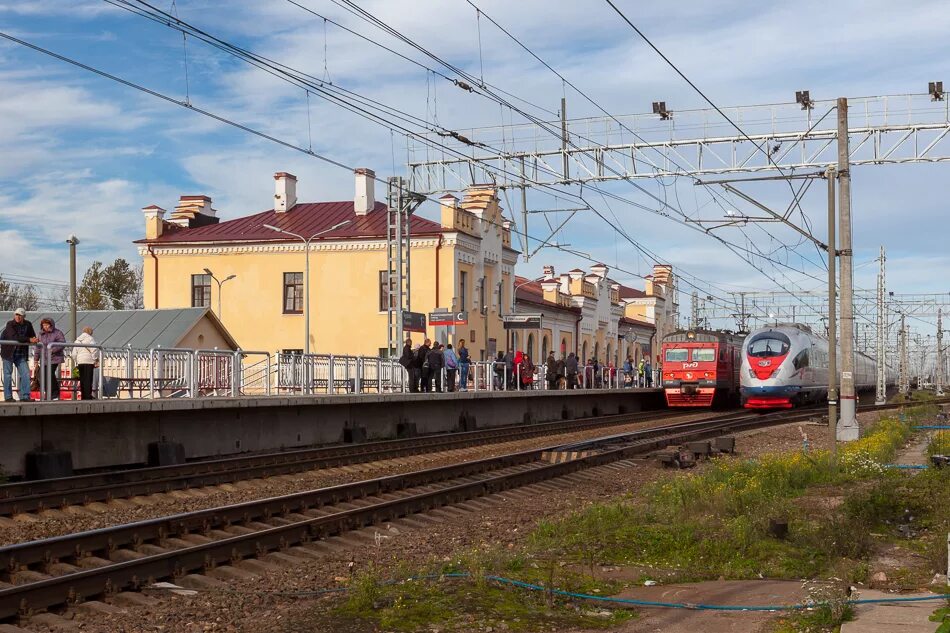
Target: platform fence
161, 373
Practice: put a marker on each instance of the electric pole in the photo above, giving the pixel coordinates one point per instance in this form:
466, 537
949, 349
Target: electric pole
848, 427
832, 313
941, 377
72, 240
903, 380
881, 396
694, 314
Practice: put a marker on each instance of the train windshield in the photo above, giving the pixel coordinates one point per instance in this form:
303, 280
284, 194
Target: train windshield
674, 355
704, 354
769, 344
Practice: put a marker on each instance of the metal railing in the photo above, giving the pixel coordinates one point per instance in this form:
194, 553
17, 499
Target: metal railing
129, 373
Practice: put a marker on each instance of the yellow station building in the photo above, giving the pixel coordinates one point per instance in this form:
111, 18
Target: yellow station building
464, 262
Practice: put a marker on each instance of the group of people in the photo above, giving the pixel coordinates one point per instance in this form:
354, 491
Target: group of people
428, 363
425, 366
19, 338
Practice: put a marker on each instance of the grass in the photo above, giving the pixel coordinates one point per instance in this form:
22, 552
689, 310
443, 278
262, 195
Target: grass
943, 617
939, 444
695, 526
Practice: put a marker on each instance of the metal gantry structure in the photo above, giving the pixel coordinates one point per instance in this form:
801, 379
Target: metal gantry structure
401, 203
888, 129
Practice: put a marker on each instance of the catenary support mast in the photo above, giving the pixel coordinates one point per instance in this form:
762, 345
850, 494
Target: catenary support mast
881, 395
848, 426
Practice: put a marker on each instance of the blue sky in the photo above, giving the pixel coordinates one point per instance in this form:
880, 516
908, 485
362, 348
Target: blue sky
80, 154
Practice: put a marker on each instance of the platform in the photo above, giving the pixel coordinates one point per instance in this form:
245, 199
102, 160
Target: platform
110, 433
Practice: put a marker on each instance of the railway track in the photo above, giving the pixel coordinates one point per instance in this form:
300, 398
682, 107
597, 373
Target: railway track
53, 573
33, 496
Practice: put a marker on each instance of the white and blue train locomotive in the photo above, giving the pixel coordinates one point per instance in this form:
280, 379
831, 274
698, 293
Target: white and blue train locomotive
786, 365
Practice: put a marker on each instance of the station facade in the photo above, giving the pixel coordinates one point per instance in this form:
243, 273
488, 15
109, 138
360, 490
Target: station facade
252, 277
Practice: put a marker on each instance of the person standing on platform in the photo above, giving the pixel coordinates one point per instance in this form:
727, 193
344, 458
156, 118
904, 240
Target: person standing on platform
499, 366
526, 369
436, 363
451, 366
422, 365
465, 363
17, 356
406, 360
512, 360
560, 374
641, 373
570, 369
648, 373
85, 360
628, 372
550, 371
49, 334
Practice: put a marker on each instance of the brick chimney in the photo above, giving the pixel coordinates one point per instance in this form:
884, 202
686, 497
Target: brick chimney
285, 191
154, 221
365, 199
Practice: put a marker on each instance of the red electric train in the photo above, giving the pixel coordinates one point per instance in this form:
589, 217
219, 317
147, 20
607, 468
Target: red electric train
701, 367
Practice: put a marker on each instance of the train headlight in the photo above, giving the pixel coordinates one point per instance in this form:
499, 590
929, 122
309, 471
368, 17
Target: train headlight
706, 374
752, 373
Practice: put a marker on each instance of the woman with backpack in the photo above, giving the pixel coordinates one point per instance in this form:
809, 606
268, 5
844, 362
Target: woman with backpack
451, 366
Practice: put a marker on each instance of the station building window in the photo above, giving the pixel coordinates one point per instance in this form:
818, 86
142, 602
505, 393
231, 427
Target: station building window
293, 293
201, 291
387, 297
463, 290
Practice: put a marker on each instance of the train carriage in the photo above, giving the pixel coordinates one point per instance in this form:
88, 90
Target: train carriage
701, 367
786, 365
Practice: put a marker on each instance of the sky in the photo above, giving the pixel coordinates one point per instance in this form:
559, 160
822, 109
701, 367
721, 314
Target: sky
80, 154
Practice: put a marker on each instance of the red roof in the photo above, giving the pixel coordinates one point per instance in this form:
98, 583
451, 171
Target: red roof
630, 321
304, 219
532, 292
631, 293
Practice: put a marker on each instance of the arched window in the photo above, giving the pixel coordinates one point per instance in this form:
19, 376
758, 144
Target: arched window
597, 352
545, 345
564, 346
529, 349
609, 354
583, 358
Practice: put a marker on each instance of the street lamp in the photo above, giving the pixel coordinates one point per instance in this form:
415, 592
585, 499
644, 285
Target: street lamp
72, 240
306, 273
220, 283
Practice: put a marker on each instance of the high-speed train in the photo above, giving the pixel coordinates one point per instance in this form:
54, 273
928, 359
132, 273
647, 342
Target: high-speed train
786, 365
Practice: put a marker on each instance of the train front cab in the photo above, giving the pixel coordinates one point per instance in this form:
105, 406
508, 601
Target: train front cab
765, 353
689, 374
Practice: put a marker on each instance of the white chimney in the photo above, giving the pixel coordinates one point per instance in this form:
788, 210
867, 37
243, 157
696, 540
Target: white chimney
285, 192
365, 199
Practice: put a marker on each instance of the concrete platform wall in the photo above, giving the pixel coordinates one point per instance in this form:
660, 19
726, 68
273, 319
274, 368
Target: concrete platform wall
104, 434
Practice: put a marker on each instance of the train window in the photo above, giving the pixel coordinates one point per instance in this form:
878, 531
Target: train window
769, 344
674, 355
704, 354
801, 360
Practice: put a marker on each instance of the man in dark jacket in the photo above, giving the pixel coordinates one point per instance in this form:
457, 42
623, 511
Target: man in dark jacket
406, 360
19, 330
436, 363
550, 371
570, 366
422, 364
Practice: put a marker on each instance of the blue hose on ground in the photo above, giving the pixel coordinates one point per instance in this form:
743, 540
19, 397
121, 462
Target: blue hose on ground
907, 466
643, 603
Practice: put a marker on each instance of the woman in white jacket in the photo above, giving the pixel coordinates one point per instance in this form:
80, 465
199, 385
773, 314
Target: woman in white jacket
85, 360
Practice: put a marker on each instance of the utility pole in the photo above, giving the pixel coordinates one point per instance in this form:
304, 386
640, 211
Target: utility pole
743, 324
401, 204
903, 380
694, 311
941, 377
832, 313
72, 240
848, 428
564, 140
881, 396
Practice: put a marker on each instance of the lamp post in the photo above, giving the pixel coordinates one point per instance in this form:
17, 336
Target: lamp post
72, 240
514, 294
220, 283
306, 273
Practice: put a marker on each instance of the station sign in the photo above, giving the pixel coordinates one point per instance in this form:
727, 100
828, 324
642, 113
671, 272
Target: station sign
522, 321
413, 321
448, 318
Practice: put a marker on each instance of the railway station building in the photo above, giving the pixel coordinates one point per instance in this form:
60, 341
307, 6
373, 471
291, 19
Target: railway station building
252, 277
